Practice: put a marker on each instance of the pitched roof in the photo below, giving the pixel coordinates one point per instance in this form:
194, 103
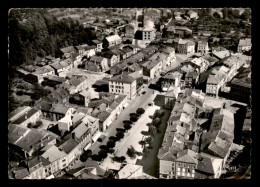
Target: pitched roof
96, 59
34, 136
208, 163
128, 170
113, 38
19, 110
53, 153
25, 116
80, 130
124, 78
68, 145
245, 42
15, 132
188, 156
59, 108
68, 49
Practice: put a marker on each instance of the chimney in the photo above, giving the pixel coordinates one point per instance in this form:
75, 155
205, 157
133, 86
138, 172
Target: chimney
60, 148
73, 135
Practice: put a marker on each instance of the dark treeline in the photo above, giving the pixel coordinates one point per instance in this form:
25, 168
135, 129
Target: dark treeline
34, 32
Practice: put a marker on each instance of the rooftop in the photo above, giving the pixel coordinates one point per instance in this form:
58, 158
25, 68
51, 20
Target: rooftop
25, 116
124, 78
53, 153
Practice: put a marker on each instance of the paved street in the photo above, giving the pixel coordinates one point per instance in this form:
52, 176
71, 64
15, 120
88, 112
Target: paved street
139, 101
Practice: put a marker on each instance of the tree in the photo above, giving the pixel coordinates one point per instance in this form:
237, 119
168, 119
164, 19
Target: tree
156, 122
113, 138
120, 135
111, 144
102, 153
133, 118
149, 140
140, 111
127, 127
111, 150
245, 15
38, 124
131, 152
142, 143
104, 147
127, 122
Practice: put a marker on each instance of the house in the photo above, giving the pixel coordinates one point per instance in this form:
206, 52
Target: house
89, 50
201, 64
73, 151
98, 44
29, 141
241, 87
129, 30
101, 61
209, 60
244, 45
191, 79
214, 83
192, 14
181, 30
119, 53
152, 68
58, 111
123, 84
55, 156
170, 96
186, 47
221, 54
170, 79
76, 84
28, 116
111, 41
61, 68
67, 51
38, 75
203, 47
112, 59
134, 48
18, 112
209, 167
92, 123
170, 52
81, 98
127, 51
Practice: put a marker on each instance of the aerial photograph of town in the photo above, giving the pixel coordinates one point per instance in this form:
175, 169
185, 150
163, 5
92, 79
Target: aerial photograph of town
129, 93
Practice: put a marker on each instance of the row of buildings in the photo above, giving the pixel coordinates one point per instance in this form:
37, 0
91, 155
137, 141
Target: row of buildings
198, 138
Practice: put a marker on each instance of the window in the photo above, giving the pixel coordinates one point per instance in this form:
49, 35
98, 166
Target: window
179, 169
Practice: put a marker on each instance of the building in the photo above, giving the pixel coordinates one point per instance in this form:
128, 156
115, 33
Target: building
241, 87
170, 79
77, 84
28, 116
100, 61
18, 112
61, 68
209, 167
244, 45
112, 41
203, 47
214, 83
186, 47
171, 96
98, 44
193, 15
191, 79
123, 84
152, 69
67, 51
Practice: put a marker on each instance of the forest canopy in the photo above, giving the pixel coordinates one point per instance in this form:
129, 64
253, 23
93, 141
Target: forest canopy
34, 32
